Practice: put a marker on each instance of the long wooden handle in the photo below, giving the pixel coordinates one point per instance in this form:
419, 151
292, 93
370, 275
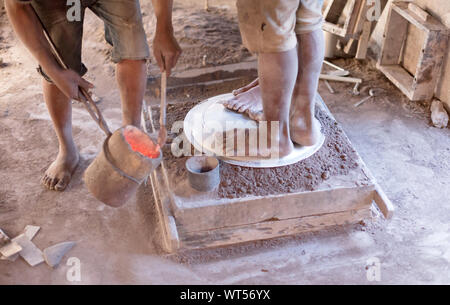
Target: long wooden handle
84, 96
162, 111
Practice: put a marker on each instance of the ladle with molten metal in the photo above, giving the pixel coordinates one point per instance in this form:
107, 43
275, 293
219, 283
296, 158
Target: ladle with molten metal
128, 156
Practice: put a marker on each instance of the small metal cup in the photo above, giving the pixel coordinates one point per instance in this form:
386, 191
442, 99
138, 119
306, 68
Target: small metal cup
203, 173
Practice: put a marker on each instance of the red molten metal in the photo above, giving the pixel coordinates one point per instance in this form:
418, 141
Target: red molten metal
140, 142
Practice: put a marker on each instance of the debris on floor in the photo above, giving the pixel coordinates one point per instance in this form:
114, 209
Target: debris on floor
23, 246
55, 253
439, 115
30, 253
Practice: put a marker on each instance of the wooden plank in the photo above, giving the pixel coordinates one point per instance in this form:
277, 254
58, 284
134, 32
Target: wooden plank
271, 229
418, 12
429, 66
170, 239
334, 10
394, 37
431, 24
414, 43
384, 204
280, 207
400, 78
363, 41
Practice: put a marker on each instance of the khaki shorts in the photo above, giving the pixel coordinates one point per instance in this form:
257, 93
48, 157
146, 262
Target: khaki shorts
269, 26
123, 29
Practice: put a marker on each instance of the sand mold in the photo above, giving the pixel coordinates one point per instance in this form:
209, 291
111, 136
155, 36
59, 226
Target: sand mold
336, 157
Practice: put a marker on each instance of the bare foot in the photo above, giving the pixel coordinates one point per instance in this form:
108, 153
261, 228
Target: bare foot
276, 145
305, 131
59, 173
247, 100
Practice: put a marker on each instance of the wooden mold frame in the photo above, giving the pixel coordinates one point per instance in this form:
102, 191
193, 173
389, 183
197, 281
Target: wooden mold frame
422, 85
255, 218
333, 12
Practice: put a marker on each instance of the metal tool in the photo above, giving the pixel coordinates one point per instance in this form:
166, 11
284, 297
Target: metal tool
372, 93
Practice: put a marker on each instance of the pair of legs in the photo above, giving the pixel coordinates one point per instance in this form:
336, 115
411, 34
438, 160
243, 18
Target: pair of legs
131, 78
285, 91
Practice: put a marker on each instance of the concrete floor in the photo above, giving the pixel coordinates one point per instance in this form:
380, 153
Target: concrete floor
408, 157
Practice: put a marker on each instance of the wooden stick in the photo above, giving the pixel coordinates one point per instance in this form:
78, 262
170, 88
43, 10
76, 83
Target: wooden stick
341, 78
333, 65
162, 111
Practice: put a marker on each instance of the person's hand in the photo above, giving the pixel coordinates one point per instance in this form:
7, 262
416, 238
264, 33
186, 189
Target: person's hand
68, 81
165, 49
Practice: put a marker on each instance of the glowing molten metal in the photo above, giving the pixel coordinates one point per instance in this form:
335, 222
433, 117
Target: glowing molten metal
140, 142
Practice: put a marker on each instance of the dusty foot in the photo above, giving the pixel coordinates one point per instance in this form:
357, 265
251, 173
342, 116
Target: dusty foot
247, 100
305, 132
59, 173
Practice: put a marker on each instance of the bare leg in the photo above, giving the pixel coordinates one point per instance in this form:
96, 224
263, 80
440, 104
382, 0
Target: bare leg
305, 129
58, 175
277, 75
131, 77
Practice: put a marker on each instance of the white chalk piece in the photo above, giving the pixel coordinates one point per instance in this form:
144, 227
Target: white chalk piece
10, 249
55, 253
30, 253
31, 231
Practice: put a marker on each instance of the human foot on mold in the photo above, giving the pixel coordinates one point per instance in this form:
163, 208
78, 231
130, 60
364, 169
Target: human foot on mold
247, 100
304, 127
59, 173
273, 144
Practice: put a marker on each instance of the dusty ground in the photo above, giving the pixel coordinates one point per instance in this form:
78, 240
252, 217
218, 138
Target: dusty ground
409, 158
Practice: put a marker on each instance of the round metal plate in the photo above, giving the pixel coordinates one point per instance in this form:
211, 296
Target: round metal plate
202, 120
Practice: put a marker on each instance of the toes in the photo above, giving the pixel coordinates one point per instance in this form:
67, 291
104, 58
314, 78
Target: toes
230, 103
53, 182
243, 108
62, 184
44, 181
237, 105
255, 115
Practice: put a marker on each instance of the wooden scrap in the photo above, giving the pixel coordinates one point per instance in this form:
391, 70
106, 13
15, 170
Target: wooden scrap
422, 84
333, 12
30, 253
363, 41
418, 11
55, 253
